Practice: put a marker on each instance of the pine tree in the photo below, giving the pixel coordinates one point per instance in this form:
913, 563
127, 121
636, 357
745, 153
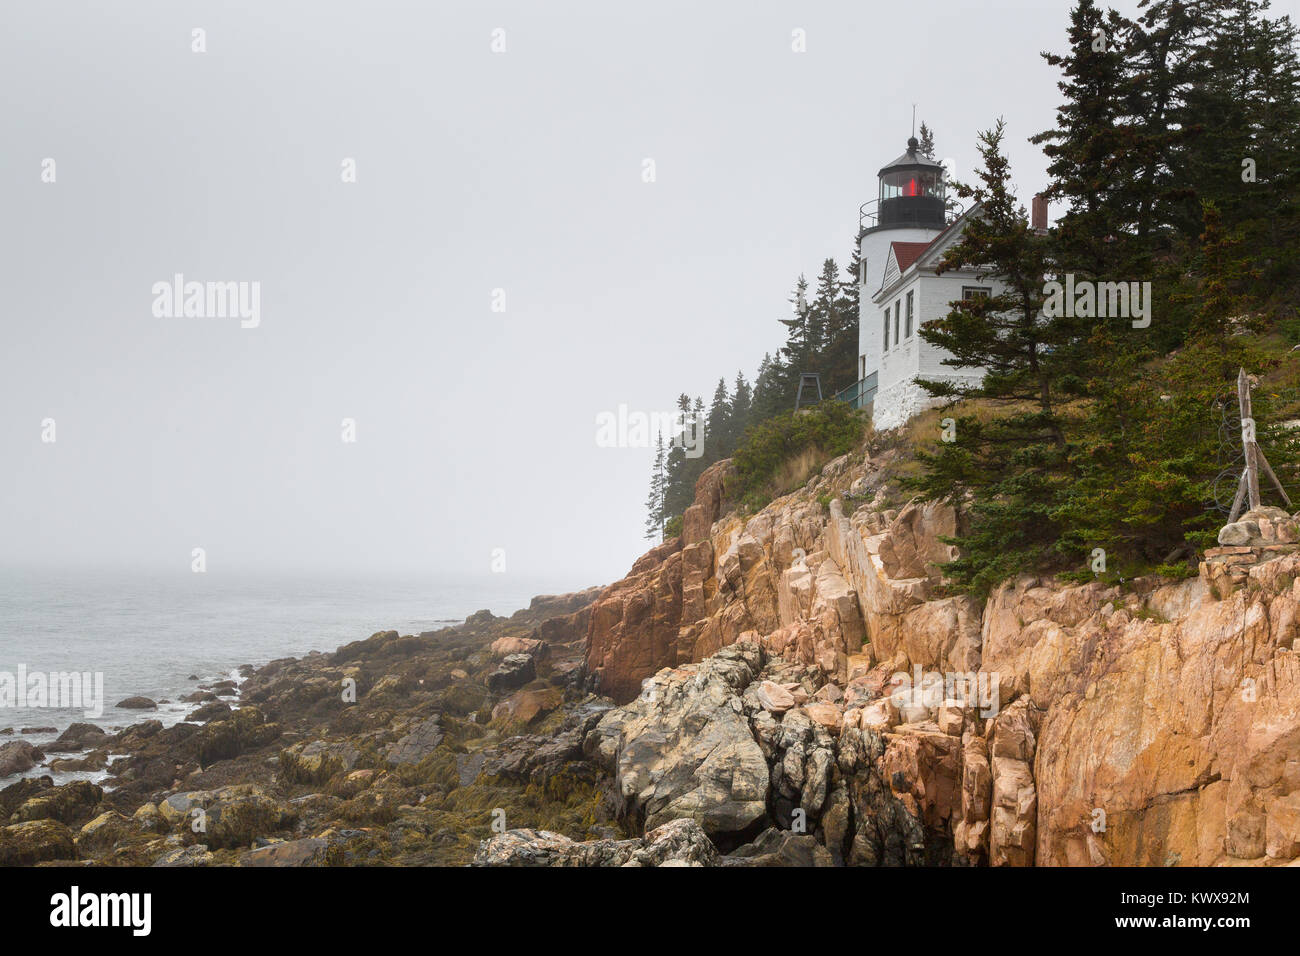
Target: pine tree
801, 337
1166, 60
741, 399
770, 396
1251, 87
654, 523
927, 140
1148, 454
718, 427
678, 484
837, 315
1093, 163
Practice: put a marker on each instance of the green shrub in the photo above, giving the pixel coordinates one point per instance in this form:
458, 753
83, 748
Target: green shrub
781, 453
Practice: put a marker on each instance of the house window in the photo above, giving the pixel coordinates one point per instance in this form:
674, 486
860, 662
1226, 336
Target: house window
886, 329
976, 292
898, 317
909, 315
862, 367
862, 272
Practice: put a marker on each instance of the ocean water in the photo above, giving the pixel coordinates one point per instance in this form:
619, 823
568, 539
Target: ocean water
147, 633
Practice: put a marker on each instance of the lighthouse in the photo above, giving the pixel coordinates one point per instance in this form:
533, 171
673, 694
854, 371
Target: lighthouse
911, 208
905, 232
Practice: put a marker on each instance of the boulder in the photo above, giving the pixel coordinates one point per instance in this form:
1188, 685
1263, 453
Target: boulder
178, 807
773, 697
149, 819
420, 740
309, 851
781, 848
244, 730
137, 703
102, 833
69, 804
239, 814
216, 710
677, 843
506, 646
194, 855
18, 756
36, 841
79, 736
827, 715
526, 706
515, 670
686, 752
317, 761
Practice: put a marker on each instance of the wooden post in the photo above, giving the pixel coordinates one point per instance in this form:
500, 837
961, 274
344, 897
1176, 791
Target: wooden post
1268, 470
1248, 488
1248, 440
1237, 499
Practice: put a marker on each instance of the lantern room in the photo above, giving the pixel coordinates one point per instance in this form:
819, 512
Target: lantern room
912, 191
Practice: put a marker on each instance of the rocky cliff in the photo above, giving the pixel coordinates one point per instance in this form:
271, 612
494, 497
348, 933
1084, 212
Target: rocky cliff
789, 688
1156, 723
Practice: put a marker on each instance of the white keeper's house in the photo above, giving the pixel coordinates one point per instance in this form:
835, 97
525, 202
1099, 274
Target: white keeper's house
904, 234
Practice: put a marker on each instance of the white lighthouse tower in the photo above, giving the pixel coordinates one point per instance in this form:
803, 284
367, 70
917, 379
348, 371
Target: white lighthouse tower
910, 209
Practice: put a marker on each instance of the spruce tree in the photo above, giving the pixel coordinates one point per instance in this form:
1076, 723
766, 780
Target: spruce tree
678, 483
770, 396
926, 140
1245, 163
801, 336
741, 399
718, 427
836, 321
1164, 49
654, 522
1092, 161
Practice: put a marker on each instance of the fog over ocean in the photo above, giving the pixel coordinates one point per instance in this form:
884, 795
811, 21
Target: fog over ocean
148, 632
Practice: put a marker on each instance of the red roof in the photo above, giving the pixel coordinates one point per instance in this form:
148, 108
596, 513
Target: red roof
908, 252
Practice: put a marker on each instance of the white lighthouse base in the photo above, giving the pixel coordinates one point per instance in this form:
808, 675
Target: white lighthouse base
896, 404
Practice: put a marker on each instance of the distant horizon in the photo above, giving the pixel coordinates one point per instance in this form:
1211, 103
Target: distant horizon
398, 575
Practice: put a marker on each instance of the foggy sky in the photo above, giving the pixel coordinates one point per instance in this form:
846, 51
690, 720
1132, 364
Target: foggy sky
476, 171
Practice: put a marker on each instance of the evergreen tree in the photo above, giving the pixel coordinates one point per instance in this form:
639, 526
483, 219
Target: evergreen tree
1149, 452
1092, 160
678, 484
1245, 162
1164, 47
654, 522
927, 140
802, 336
718, 427
770, 393
837, 315
741, 398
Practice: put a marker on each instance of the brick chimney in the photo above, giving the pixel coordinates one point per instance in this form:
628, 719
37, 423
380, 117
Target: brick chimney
1038, 216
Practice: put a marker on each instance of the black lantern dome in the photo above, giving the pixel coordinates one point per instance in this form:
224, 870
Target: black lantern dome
912, 191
